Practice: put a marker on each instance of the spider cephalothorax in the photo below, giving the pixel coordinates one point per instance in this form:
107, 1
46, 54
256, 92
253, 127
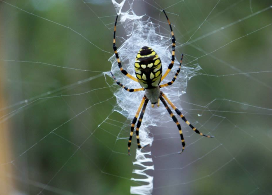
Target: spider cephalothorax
148, 70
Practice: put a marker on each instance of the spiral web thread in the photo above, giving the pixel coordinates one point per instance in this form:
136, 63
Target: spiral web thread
141, 31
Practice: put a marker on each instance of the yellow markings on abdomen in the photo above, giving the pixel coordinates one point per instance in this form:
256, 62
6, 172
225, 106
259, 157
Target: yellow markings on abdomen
150, 65
157, 62
157, 73
143, 66
148, 68
137, 65
138, 71
143, 76
157, 69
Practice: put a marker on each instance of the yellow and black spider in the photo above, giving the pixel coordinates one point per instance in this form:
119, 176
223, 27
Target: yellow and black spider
148, 70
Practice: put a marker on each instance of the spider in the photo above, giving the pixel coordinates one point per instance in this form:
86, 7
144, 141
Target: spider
148, 69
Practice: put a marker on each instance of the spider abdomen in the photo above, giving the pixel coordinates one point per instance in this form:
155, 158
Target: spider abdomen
148, 68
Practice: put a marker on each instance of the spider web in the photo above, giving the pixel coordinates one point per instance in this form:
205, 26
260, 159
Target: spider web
67, 122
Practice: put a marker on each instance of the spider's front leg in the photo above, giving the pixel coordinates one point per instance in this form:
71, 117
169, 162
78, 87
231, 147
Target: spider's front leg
176, 121
183, 117
142, 105
140, 122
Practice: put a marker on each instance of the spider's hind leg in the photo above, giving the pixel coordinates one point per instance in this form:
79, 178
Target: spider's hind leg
176, 75
173, 48
117, 55
123, 86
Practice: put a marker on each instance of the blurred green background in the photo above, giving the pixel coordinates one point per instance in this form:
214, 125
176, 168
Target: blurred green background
65, 136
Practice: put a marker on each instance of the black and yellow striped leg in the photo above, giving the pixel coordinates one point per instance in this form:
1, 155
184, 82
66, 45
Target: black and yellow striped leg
176, 121
140, 122
133, 123
176, 75
183, 117
120, 84
173, 48
117, 56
